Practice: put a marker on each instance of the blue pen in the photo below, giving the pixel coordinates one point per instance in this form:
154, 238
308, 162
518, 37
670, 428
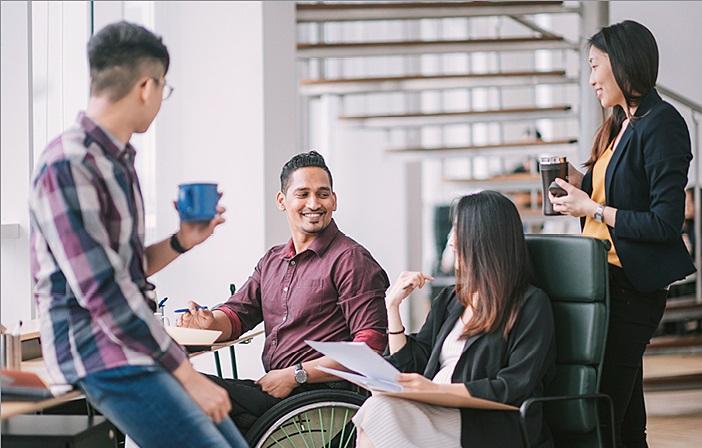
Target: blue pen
185, 310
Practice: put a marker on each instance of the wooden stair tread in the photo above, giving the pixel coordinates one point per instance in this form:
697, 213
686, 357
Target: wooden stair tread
417, 5
369, 10
565, 141
433, 77
675, 341
409, 43
507, 110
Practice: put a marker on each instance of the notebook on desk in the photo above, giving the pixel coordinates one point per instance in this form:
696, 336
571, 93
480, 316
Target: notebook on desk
23, 386
192, 339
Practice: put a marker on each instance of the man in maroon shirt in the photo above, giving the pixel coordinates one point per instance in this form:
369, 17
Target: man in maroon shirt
320, 286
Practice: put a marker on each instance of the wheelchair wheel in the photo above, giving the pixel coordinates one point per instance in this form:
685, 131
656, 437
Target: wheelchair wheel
314, 419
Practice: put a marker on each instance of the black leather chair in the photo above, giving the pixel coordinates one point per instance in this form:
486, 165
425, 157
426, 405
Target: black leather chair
573, 272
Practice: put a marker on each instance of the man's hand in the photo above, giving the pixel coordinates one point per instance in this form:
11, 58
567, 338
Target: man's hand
278, 383
196, 317
191, 234
211, 398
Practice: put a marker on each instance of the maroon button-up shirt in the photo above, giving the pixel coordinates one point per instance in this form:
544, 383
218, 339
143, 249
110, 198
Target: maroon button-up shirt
333, 291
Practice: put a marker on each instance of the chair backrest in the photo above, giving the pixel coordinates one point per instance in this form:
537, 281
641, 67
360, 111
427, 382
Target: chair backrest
573, 271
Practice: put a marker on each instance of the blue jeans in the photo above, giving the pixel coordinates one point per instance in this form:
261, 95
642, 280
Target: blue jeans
149, 404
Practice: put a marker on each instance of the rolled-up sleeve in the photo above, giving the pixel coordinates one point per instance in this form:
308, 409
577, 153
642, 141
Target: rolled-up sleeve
66, 206
244, 307
361, 284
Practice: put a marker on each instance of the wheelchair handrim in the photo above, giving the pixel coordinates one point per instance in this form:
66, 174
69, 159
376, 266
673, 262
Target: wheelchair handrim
300, 411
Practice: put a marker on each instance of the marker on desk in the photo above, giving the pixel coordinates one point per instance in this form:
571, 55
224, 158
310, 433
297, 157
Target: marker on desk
185, 310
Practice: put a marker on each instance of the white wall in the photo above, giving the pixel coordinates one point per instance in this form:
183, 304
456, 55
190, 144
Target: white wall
230, 122
15, 160
676, 26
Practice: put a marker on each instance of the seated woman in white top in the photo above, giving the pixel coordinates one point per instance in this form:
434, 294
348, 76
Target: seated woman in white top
490, 336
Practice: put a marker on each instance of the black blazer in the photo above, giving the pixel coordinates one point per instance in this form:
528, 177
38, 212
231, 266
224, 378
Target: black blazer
508, 371
645, 181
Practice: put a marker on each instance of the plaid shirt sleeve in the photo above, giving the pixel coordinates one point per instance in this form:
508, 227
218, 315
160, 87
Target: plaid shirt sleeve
66, 205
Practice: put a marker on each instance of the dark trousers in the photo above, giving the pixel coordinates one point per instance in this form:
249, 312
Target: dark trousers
633, 318
249, 402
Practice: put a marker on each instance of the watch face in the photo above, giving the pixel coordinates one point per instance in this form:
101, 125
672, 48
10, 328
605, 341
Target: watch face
301, 376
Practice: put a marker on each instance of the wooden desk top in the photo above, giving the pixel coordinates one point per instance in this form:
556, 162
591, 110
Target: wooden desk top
13, 408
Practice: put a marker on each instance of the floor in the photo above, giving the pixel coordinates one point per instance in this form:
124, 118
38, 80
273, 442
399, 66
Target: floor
674, 417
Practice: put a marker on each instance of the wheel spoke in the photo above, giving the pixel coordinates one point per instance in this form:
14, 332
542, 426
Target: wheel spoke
351, 434
321, 425
331, 426
302, 436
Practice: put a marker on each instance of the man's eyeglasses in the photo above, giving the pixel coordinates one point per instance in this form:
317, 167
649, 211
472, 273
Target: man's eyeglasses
167, 89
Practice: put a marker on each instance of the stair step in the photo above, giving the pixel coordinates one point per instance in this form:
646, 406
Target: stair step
440, 118
503, 183
345, 86
671, 372
344, 12
503, 149
407, 47
682, 309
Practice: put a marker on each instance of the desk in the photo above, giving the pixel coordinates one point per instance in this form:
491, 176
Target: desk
13, 408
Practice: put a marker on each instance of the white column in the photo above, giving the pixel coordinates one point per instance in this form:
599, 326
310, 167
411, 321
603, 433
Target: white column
232, 120
594, 16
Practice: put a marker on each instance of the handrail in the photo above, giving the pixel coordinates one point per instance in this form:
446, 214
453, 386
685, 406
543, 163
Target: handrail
682, 99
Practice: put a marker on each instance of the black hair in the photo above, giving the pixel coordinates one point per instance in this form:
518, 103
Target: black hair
119, 54
633, 54
303, 160
493, 261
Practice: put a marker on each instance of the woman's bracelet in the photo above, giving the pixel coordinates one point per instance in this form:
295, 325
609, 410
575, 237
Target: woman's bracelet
395, 332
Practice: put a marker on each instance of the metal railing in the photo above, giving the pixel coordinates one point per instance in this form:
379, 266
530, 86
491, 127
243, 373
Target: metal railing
695, 109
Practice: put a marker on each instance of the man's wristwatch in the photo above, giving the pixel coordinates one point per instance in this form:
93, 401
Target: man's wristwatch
300, 374
599, 213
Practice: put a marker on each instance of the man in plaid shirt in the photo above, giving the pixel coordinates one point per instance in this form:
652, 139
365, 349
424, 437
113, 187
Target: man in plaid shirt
90, 266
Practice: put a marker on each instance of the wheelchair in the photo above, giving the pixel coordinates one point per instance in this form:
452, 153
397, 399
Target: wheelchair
312, 419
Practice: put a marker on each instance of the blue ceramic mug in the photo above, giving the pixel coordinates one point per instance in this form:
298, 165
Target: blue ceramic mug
197, 201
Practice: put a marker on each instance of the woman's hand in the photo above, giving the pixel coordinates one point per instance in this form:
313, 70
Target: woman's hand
403, 287
576, 203
414, 382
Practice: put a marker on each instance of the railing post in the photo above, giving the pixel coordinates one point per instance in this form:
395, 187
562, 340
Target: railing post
696, 189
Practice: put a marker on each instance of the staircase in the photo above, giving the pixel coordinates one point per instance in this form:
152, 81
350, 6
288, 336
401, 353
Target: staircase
503, 108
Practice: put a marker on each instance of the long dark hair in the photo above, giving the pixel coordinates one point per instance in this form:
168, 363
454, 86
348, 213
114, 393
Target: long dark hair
493, 262
633, 54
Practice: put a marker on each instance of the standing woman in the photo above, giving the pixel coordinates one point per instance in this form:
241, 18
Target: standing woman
633, 195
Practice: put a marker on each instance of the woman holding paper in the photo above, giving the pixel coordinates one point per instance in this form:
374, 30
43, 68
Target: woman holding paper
490, 336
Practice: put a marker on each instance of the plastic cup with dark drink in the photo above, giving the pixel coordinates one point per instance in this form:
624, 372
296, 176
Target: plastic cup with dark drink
551, 167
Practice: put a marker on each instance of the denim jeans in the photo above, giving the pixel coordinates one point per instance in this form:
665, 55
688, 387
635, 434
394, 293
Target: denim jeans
149, 404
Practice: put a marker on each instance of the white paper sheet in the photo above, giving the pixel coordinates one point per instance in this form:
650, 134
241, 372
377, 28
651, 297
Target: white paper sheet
364, 382
358, 357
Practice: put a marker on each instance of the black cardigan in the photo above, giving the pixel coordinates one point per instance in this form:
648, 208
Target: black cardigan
645, 181
508, 371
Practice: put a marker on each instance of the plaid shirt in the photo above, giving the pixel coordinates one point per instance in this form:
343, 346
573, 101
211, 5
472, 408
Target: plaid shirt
87, 252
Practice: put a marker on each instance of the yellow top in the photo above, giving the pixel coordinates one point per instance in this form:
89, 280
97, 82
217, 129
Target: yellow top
593, 228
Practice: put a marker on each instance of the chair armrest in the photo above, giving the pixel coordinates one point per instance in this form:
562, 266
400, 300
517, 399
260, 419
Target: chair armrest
524, 409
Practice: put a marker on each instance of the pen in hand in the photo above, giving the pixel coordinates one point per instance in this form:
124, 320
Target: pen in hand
185, 310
